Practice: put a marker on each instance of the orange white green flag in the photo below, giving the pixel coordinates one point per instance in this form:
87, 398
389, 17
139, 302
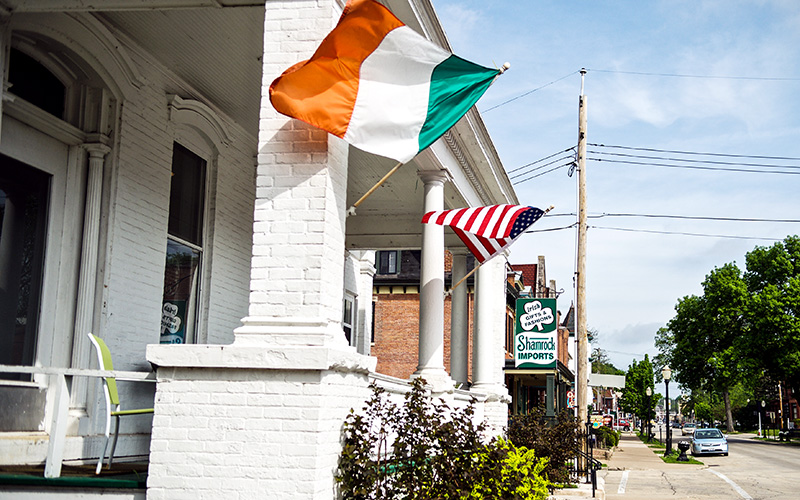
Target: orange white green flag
379, 85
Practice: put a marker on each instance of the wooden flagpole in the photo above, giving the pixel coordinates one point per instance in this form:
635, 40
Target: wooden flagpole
352, 209
450, 292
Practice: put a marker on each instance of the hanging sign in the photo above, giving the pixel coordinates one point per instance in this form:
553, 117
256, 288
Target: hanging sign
535, 342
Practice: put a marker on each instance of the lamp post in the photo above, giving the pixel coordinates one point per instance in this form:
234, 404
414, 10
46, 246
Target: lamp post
666, 373
763, 404
649, 393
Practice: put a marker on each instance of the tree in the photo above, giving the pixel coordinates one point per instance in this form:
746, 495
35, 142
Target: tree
602, 364
634, 396
773, 341
701, 342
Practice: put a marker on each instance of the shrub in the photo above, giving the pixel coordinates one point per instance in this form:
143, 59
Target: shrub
436, 453
606, 437
554, 438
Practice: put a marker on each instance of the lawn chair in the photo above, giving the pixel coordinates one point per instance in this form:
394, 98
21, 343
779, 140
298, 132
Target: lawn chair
112, 399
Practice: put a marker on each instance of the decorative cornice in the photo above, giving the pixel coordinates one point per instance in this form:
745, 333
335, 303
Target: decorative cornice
466, 167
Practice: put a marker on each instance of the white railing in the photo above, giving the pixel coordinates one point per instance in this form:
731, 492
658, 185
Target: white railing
58, 387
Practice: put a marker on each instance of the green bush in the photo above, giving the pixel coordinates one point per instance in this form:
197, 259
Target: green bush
554, 438
606, 437
425, 450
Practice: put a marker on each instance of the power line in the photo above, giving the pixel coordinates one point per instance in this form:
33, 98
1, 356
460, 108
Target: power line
652, 231
695, 152
689, 160
695, 167
710, 77
545, 172
568, 157
529, 92
572, 148
682, 217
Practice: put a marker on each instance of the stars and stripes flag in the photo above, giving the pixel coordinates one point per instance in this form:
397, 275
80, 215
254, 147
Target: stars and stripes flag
486, 231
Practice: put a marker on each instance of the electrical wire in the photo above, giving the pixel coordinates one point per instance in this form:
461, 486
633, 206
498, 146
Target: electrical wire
542, 173
541, 160
529, 92
695, 167
653, 231
681, 217
653, 150
689, 160
568, 157
711, 77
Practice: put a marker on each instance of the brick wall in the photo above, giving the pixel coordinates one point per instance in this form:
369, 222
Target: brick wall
249, 434
397, 333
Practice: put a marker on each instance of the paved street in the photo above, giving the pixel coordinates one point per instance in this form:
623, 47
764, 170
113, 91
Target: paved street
753, 470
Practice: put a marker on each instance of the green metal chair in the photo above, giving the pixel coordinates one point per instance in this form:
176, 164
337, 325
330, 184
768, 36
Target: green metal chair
112, 400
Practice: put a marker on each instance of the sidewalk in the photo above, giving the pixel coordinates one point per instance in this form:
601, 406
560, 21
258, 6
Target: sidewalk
631, 453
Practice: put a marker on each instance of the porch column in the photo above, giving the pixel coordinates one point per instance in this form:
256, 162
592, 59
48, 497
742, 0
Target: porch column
273, 402
459, 320
84, 311
488, 335
431, 294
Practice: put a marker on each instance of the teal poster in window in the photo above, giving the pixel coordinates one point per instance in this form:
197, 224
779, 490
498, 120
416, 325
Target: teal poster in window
535, 342
173, 322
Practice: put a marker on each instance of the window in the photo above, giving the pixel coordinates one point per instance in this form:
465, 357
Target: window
184, 247
347, 319
34, 83
23, 221
388, 262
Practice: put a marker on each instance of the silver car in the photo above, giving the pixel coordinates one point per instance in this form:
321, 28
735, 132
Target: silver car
706, 441
688, 428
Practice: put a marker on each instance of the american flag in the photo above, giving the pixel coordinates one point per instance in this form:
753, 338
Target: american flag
486, 231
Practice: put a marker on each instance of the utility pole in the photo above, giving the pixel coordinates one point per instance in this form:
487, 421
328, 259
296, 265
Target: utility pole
582, 363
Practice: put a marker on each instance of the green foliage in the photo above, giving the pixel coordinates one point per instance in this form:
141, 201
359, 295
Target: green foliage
606, 437
634, 397
744, 328
773, 312
522, 476
436, 453
602, 364
554, 438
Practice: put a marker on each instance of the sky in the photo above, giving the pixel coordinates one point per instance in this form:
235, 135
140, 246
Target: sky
677, 77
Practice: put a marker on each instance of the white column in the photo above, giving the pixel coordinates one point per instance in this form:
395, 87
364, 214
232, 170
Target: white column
431, 293
488, 336
87, 281
459, 320
366, 272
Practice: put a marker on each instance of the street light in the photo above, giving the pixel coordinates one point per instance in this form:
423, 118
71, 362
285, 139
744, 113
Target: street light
763, 404
649, 393
666, 373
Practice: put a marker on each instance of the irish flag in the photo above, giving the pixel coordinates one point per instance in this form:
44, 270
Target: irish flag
379, 85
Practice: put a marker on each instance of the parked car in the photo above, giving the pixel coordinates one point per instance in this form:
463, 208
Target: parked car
688, 428
707, 441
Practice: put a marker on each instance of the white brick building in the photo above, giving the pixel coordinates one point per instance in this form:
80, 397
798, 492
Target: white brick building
162, 199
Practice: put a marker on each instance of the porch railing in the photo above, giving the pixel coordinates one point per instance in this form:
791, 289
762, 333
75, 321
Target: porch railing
59, 383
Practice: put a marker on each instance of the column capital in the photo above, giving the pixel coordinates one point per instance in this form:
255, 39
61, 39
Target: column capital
433, 176
96, 149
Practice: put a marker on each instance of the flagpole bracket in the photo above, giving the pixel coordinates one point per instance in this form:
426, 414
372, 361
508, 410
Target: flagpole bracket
351, 211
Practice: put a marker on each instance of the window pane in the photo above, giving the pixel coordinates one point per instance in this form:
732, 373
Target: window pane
180, 293
34, 83
387, 261
23, 220
187, 191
